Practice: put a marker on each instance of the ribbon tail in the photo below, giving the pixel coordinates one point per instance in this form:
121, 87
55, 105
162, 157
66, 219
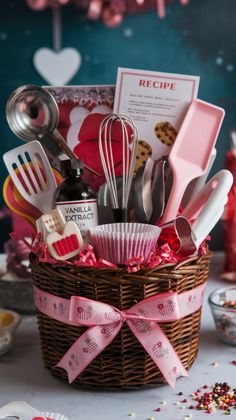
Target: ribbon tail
159, 349
87, 347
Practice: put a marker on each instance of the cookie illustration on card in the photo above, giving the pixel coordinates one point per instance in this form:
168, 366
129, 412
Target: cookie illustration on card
143, 153
166, 133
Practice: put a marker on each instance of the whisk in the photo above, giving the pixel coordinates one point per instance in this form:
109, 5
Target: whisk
129, 152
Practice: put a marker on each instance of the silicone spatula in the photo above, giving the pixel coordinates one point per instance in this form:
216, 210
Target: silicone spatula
17, 203
192, 149
32, 174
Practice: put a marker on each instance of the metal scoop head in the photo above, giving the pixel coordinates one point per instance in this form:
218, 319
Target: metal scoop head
32, 112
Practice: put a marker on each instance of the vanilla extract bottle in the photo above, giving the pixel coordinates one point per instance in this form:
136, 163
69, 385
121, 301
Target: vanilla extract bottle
75, 198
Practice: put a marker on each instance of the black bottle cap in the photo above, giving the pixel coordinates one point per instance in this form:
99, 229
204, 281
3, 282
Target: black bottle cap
71, 167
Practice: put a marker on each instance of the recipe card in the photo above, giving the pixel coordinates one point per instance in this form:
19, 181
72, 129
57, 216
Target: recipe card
157, 102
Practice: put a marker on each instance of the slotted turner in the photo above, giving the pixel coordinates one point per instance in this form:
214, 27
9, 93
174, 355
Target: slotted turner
191, 152
32, 175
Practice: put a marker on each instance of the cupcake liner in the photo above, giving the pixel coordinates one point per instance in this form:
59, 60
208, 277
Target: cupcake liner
118, 242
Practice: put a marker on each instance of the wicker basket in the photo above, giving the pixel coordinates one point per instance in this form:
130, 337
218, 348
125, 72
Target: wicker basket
124, 363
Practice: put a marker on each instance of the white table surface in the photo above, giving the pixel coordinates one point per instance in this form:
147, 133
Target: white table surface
23, 377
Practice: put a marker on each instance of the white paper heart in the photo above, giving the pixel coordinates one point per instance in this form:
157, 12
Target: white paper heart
77, 116
57, 68
78, 113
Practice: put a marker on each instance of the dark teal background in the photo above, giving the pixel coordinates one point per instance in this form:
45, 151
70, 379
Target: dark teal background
197, 39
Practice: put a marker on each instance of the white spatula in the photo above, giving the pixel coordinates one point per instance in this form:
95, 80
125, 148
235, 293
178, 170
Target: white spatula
206, 208
32, 175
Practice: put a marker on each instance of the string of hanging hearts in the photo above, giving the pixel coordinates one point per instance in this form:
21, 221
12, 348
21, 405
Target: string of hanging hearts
111, 12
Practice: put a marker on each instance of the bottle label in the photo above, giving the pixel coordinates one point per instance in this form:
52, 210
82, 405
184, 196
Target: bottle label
83, 212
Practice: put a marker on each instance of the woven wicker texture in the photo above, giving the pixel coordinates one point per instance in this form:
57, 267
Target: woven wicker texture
124, 363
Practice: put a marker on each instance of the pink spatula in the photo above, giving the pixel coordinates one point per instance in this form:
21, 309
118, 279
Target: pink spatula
191, 152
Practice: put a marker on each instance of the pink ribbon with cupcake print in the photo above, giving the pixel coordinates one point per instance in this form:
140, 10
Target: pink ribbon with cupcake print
105, 321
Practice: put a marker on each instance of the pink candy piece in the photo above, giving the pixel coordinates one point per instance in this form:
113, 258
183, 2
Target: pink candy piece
42, 418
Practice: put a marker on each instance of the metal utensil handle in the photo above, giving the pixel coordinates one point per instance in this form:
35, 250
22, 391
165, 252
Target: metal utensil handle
196, 184
120, 215
62, 144
67, 150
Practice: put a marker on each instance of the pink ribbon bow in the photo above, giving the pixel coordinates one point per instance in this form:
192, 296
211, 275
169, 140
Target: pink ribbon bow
105, 321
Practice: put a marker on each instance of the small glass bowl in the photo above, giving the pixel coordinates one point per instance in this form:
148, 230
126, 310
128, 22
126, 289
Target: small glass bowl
5, 341
7, 331
224, 317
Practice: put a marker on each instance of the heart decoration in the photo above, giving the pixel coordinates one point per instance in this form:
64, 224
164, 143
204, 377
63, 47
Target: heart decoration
66, 245
57, 67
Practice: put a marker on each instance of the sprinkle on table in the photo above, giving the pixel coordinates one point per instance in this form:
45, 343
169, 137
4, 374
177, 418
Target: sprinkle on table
233, 362
215, 364
222, 397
